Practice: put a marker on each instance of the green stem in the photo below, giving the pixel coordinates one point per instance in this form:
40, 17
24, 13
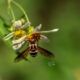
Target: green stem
12, 14
11, 10
20, 7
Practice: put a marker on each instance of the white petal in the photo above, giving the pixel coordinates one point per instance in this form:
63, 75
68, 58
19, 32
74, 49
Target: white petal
10, 35
25, 25
17, 24
38, 28
55, 30
19, 40
49, 31
18, 46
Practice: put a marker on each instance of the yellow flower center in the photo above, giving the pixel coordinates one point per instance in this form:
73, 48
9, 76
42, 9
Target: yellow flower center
30, 29
19, 33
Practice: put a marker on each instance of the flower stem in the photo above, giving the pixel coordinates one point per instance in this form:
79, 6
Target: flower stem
12, 15
20, 7
11, 10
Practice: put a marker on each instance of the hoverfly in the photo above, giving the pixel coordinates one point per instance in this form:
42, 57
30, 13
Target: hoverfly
17, 32
34, 35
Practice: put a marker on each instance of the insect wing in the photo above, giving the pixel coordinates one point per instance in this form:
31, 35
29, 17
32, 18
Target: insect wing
22, 55
44, 38
45, 52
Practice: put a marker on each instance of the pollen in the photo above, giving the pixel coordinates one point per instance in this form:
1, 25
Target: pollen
11, 28
19, 33
29, 37
30, 29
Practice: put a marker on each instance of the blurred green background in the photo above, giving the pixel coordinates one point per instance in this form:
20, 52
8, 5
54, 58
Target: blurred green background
65, 44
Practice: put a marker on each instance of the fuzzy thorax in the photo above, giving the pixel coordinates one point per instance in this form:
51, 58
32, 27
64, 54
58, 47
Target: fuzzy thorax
35, 36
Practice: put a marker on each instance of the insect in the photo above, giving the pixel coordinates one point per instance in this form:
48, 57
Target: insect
34, 35
20, 36
17, 32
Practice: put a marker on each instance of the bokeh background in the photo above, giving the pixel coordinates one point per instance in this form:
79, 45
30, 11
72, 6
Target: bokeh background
65, 44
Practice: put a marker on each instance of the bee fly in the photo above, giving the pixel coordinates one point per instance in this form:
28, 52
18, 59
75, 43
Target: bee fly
33, 37
34, 49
